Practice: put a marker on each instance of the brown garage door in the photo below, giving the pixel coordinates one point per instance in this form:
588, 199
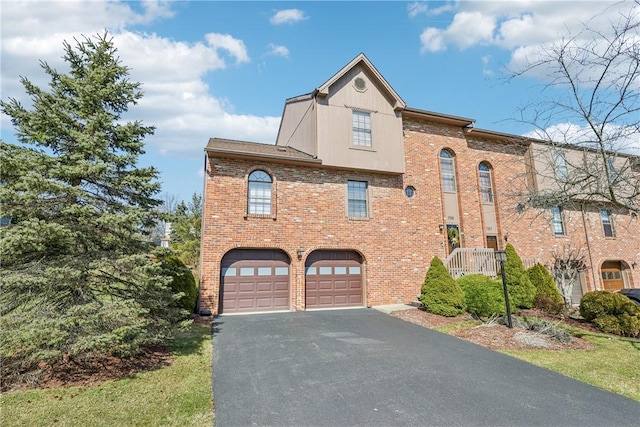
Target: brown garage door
611, 273
333, 279
254, 280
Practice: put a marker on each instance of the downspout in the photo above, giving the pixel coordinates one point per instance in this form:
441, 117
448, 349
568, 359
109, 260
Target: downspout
586, 235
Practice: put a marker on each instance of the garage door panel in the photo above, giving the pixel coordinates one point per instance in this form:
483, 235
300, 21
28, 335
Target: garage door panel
333, 279
254, 280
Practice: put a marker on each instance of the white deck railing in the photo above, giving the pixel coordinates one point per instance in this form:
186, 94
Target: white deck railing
463, 261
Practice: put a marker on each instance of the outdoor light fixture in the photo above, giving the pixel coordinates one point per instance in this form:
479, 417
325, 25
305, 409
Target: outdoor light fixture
300, 253
501, 257
633, 265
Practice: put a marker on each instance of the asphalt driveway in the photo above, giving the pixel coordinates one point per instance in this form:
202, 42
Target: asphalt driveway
363, 367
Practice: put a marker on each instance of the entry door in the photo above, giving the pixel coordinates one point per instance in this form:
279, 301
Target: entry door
611, 273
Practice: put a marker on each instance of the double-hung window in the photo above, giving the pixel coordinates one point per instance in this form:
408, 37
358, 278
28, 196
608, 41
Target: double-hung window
557, 222
561, 168
607, 225
361, 122
357, 199
259, 194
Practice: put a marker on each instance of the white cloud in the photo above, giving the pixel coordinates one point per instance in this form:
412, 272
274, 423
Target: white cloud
277, 50
176, 99
415, 8
288, 16
433, 40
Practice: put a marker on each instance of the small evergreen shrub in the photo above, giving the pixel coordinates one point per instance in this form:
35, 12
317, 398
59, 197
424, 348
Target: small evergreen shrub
521, 291
182, 280
440, 294
611, 312
483, 296
547, 296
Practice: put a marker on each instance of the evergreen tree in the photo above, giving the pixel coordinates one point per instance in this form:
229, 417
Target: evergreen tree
186, 230
441, 294
521, 290
547, 295
77, 272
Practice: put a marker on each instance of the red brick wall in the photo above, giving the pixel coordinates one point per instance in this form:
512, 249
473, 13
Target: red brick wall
403, 234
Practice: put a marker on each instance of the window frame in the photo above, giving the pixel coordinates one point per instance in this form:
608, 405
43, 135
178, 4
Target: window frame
367, 207
486, 179
608, 223
557, 219
560, 165
361, 136
255, 201
451, 174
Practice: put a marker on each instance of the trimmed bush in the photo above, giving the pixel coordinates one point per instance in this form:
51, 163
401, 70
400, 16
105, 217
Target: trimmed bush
547, 297
483, 296
182, 281
611, 313
521, 292
441, 294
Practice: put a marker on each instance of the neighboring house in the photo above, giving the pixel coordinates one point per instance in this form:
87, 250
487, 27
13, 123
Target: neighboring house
165, 241
360, 192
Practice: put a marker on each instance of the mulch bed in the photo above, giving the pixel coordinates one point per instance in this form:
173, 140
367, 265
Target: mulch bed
499, 337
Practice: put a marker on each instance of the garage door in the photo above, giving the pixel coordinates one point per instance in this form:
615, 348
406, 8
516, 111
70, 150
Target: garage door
611, 273
254, 280
333, 279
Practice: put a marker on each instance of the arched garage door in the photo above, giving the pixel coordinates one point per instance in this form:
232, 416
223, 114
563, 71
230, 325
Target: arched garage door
333, 279
254, 280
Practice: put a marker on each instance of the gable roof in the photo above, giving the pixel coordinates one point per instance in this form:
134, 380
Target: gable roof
323, 89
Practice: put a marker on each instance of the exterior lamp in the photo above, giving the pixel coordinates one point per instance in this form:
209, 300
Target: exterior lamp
501, 257
300, 252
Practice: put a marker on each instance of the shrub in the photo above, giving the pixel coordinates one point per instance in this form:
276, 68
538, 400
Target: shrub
182, 280
547, 293
441, 294
483, 296
521, 291
611, 312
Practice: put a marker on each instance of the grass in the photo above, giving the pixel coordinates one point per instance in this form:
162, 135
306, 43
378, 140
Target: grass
613, 365
176, 395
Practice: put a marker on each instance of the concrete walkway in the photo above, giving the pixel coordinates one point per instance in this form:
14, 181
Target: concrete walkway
364, 368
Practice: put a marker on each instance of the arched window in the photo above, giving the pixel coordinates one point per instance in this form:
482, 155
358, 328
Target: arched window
486, 185
447, 166
259, 194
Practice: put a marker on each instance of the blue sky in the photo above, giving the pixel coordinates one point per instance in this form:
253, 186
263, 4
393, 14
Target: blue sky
224, 69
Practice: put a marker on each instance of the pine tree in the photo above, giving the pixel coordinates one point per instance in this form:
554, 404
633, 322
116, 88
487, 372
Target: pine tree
186, 225
441, 294
521, 290
77, 273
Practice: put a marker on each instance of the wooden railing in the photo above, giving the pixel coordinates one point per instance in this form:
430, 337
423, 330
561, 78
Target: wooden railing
463, 261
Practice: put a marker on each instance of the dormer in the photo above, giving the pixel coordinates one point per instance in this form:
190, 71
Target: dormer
351, 121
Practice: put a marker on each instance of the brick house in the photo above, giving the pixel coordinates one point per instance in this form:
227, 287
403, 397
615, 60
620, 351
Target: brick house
360, 192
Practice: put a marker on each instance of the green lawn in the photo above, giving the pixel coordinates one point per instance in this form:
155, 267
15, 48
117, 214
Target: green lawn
613, 365
176, 395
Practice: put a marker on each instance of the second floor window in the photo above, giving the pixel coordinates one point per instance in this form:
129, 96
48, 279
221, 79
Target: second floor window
259, 194
357, 195
448, 170
607, 225
613, 175
486, 187
557, 223
560, 161
361, 122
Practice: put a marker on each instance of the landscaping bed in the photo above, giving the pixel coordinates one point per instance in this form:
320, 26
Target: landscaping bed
497, 336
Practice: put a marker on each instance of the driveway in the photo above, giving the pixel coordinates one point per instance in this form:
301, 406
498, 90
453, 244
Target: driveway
363, 367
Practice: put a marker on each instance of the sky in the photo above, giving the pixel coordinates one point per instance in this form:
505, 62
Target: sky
224, 69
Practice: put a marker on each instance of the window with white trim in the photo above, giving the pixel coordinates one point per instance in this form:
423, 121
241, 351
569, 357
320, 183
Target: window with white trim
561, 168
607, 224
557, 222
486, 186
361, 122
448, 170
259, 193
357, 199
